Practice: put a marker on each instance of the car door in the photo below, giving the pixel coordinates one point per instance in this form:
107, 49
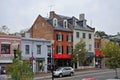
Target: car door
64, 71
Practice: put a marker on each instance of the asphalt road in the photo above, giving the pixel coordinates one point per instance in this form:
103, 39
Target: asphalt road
101, 74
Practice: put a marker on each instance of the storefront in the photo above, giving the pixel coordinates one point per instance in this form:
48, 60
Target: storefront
40, 65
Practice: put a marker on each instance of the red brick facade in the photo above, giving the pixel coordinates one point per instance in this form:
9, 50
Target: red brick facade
41, 29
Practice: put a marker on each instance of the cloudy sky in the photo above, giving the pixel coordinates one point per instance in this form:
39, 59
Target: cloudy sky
104, 15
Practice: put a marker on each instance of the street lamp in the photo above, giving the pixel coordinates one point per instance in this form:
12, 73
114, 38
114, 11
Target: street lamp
52, 59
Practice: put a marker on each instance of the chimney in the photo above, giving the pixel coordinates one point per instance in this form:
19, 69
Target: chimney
82, 18
52, 13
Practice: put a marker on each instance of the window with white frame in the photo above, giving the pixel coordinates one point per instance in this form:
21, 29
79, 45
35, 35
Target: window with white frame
27, 49
90, 47
59, 37
65, 24
59, 49
5, 48
77, 35
55, 22
69, 49
69, 38
38, 49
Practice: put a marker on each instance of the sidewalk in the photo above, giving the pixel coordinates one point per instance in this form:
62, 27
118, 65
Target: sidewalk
49, 74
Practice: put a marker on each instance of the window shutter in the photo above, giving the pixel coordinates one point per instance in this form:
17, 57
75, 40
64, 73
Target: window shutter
62, 49
56, 36
67, 49
67, 37
57, 49
62, 37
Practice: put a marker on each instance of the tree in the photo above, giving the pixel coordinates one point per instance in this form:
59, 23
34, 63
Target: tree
79, 52
112, 52
100, 33
4, 29
20, 69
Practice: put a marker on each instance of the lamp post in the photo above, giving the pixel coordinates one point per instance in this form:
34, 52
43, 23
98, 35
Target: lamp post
52, 59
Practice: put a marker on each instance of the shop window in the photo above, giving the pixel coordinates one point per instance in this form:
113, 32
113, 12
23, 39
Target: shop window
5, 48
38, 49
27, 49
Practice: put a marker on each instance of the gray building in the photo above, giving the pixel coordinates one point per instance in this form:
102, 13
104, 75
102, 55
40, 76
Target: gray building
36, 50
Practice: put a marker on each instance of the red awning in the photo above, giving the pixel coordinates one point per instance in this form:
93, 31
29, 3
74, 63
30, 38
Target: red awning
63, 56
97, 53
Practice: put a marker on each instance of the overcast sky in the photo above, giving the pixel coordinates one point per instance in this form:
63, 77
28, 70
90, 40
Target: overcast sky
104, 15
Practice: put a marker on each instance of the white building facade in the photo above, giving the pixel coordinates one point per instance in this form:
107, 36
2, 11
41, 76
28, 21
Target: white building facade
82, 31
37, 49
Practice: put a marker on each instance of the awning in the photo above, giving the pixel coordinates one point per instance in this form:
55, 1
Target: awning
6, 61
90, 54
99, 53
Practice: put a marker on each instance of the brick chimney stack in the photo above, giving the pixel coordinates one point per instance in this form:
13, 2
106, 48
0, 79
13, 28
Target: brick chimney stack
52, 14
82, 18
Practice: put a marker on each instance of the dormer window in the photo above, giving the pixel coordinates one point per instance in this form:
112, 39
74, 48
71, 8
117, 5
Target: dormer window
65, 24
74, 22
55, 22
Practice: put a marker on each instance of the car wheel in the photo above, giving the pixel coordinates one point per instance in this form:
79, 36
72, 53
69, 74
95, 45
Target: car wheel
71, 74
60, 75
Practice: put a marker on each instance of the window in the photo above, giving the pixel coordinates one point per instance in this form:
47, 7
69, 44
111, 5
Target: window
55, 22
65, 24
74, 22
95, 44
59, 37
77, 34
90, 36
27, 49
84, 35
5, 48
59, 49
69, 38
90, 47
98, 45
69, 49
49, 49
38, 49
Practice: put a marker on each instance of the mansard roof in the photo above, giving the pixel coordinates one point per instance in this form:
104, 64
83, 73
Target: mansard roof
79, 23
60, 25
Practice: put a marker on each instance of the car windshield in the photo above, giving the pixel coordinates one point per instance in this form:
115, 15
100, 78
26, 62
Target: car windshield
58, 69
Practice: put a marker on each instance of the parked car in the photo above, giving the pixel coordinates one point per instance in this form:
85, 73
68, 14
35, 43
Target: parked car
63, 71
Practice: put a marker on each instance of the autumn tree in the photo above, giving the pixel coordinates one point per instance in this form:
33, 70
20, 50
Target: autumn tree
20, 69
79, 52
112, 52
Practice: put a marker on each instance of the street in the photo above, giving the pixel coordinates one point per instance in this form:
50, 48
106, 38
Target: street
100, 74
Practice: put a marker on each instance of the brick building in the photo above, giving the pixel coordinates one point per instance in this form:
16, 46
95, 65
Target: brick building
66, 33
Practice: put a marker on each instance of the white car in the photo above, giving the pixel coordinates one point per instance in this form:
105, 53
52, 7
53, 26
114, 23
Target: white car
63, 71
